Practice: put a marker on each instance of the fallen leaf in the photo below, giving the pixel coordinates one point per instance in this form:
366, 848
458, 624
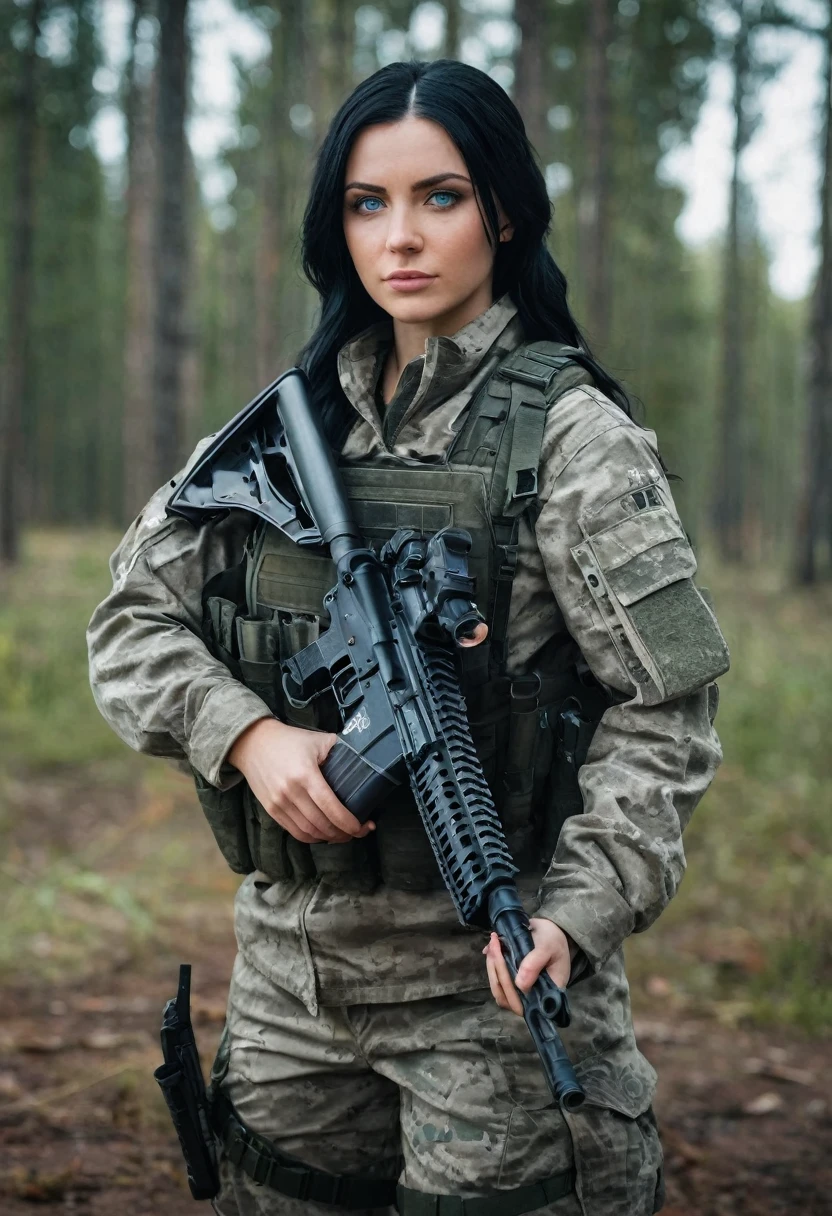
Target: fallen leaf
735, 947
658, 986
111, 1040
41, 1043
731, 1013
104, 1040
96, 1004
779, 1072
681, 1151
764, 1104
41, 1187
208, 1011
650, 1030
10, 1087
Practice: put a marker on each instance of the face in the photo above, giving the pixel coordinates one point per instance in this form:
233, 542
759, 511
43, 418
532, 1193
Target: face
409, 206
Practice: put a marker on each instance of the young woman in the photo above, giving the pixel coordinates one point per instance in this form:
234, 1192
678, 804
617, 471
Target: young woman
367, 1038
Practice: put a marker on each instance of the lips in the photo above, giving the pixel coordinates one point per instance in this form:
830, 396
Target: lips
409, 280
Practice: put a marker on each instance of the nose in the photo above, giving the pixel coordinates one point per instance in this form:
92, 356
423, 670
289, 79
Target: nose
403, 235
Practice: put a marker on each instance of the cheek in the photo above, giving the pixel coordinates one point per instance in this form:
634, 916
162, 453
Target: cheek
463, 239
361, 242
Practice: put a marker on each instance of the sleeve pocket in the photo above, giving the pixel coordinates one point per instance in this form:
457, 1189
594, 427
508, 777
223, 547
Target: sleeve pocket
640, 575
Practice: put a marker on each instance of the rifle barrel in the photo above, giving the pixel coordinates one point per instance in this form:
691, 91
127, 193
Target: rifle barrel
315, 462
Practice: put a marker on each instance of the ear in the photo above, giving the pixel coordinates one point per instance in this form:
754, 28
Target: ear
506, 231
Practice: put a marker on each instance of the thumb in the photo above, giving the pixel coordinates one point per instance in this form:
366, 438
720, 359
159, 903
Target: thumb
326, 742
531, 967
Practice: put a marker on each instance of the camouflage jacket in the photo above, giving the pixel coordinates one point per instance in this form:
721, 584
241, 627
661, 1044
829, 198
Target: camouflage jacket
652, 758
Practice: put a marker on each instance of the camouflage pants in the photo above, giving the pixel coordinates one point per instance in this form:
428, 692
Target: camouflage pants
445, 1094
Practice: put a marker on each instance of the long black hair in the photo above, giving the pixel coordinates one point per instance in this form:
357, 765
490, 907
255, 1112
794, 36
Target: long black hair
487, 129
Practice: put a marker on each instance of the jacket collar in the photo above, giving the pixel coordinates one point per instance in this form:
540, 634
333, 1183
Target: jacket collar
446, 367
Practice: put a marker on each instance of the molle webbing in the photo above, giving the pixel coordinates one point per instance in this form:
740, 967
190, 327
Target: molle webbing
531, 373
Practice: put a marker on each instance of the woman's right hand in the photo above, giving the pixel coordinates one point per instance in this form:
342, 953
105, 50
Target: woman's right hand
282, 765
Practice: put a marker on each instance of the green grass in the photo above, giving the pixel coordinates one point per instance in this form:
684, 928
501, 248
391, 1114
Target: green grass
751, 927
47, 714
105, 852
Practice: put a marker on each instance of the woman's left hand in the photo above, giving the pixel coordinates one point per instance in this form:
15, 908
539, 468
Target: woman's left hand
551, 950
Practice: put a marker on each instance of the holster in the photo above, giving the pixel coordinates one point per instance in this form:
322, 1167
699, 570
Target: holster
183, 1088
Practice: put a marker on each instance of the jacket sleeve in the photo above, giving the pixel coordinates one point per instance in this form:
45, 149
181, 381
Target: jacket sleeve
621, 567
152, 675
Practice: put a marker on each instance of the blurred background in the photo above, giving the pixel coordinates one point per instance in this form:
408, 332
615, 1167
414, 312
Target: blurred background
155, 157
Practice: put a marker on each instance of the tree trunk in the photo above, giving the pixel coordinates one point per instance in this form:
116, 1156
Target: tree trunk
816, 501
139, 477
453, 28
171, 239
729, 498
271, 205
14, 390
593, 199
529, 91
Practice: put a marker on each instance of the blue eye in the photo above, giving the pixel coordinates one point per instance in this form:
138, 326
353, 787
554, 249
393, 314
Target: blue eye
444, 194
360, 205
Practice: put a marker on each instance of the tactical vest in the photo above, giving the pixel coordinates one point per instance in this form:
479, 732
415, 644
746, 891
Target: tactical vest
531, 732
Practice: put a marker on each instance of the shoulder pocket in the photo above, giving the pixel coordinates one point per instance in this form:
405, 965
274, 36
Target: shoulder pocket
640, 575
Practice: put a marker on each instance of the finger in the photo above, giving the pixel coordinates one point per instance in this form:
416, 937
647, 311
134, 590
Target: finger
560, 972
292, 825
531, 967
298, 824
494, 983
308, 807
504, 976
333, 809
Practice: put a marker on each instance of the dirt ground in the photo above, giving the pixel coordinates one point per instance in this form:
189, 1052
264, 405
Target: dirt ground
746, 1117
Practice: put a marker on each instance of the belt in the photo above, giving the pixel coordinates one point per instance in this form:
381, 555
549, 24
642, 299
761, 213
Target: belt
266, 1165
499, 1203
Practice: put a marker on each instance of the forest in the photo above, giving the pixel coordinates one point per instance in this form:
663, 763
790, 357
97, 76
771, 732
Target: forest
155, 160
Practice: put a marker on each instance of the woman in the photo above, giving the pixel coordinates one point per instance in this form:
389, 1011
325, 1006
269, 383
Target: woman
361, 1037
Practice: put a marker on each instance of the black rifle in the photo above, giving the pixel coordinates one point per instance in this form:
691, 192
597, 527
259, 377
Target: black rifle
183, 1087
389, 658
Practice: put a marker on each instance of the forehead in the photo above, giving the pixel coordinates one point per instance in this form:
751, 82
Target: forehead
410, 149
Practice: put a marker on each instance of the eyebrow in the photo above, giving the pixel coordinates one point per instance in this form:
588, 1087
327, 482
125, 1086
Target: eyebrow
426, 181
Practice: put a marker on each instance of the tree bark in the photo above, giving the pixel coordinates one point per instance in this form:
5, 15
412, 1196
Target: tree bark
453, 28
271, 205
593, 198
529, 92
171, 239
730, 495
816, 500
15, 388
139, 477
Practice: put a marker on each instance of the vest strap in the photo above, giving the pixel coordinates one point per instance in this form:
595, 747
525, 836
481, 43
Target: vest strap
505, 566
498, 1203
531, 373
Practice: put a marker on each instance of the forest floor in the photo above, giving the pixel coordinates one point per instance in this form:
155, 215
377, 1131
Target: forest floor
745, 1113
109, 878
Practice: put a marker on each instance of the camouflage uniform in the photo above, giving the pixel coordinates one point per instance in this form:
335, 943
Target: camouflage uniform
358, 1026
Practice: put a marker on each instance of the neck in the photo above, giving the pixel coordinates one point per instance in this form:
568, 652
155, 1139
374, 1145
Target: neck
409, 337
